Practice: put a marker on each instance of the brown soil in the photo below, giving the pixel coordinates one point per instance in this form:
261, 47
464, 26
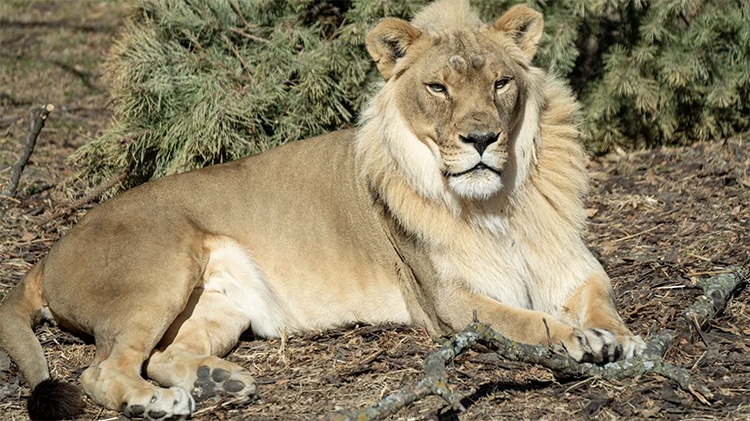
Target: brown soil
660, 219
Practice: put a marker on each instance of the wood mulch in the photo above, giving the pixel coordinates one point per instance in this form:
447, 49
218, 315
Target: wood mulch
659, 220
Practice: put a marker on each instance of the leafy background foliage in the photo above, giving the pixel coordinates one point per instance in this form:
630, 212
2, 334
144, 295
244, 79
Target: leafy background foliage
197, 82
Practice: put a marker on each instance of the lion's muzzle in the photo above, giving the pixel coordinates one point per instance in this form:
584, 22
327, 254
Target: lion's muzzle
480, 140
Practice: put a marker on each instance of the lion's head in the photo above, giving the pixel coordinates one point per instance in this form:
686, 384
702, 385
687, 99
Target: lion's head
459, 107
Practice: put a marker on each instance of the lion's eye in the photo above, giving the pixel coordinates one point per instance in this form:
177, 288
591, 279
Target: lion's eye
502, 84
436, 88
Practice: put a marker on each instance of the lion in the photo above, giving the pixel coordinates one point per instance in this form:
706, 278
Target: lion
460, 193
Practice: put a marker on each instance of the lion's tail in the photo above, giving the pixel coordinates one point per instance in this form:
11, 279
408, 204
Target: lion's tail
20, 312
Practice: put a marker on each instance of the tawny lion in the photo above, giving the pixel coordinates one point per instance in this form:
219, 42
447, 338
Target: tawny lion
460, 192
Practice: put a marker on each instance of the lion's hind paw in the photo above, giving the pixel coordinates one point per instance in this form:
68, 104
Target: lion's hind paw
160, 405
219, 381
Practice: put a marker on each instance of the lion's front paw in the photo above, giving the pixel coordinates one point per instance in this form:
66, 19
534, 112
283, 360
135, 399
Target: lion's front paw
632, 345
602, 346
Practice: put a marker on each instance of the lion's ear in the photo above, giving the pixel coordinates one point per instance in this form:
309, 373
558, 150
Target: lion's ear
388, 42
524, 25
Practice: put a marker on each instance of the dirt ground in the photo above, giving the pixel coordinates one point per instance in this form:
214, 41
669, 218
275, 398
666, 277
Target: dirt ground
660, 219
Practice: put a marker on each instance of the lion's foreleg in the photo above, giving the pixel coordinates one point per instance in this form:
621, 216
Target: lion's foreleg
522, 325
527, 326
592, 306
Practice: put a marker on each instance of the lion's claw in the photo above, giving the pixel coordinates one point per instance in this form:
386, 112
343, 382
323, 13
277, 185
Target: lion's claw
602, 346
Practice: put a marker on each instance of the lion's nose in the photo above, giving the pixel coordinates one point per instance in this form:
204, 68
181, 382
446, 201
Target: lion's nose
480, 141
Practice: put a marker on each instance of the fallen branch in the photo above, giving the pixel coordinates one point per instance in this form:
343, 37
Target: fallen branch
716, 293
433, 383
564, 366
89, 197
718, 290
38, 116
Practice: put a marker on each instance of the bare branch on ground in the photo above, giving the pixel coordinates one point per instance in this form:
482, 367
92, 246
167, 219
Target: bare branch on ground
565, 367
89, 197
38, 116
434, 383
717, 291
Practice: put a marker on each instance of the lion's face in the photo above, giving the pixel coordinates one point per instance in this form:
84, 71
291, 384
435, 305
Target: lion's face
462, 94
462, 103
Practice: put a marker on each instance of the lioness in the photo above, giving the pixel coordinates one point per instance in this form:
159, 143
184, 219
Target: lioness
460, 192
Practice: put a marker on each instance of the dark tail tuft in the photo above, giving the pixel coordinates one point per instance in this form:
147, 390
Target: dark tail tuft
55, 400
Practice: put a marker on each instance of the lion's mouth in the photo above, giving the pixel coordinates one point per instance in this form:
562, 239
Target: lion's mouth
479, 167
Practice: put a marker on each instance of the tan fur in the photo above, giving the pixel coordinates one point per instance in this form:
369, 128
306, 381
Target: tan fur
461, 191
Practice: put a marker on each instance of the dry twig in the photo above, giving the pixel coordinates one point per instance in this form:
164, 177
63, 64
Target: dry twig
433, 383
89, 197
38, 116
565, 367
716, 292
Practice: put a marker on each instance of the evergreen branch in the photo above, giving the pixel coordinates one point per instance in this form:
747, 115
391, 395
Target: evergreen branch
249, 36
189, 34
237, 54
236, 8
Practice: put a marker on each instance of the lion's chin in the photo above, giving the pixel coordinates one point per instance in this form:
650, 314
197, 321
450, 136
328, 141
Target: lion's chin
481, 184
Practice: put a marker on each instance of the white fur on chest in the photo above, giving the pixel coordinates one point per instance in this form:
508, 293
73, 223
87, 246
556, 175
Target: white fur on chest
514, 267
489, 263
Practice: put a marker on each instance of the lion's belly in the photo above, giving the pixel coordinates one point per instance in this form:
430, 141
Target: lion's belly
324, 299
311, 292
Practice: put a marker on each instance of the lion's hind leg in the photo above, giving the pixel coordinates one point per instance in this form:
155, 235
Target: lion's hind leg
234, 295
129, 317
114, 380
188, 358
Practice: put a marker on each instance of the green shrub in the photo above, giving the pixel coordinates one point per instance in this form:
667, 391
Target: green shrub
196, 82
662, 72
